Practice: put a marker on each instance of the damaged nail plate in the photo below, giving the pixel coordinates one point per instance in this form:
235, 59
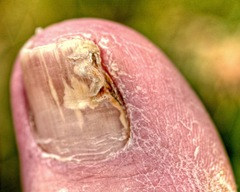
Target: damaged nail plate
77, 112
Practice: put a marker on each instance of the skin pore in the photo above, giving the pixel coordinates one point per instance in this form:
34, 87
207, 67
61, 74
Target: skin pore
172, 144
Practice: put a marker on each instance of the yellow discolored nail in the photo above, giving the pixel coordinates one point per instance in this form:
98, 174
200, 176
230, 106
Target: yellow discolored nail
77, 111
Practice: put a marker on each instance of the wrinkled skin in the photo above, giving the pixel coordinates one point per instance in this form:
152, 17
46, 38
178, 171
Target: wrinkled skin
173, 147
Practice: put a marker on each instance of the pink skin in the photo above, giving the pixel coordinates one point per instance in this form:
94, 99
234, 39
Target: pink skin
174, 145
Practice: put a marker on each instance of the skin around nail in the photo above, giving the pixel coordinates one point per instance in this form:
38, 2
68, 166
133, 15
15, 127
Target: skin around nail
97, 107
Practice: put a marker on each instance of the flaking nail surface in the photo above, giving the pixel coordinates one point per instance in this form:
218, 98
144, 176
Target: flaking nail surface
77, 112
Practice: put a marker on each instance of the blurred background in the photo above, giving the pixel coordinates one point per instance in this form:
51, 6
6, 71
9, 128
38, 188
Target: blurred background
202, 38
